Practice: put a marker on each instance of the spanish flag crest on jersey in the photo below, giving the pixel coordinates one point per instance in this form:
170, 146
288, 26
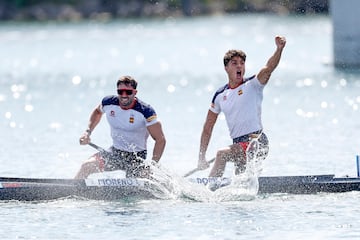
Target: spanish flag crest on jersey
131, 119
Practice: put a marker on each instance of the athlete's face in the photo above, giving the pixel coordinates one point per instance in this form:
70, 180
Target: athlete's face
235, 69
126, 94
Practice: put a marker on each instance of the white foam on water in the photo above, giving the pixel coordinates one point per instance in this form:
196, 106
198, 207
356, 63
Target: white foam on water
244, 186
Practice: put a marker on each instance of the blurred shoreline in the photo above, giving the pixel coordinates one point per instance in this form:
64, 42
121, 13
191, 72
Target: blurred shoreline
103, 10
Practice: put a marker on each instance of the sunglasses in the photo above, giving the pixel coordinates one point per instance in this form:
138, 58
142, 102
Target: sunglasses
127, 91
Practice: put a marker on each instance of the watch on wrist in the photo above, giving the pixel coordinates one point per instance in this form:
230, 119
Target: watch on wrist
88, 131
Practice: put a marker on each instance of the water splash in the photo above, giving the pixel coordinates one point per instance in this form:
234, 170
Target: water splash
242, 187
165, 184
160, 181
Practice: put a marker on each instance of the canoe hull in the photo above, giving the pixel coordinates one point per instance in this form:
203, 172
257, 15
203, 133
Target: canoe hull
32, 189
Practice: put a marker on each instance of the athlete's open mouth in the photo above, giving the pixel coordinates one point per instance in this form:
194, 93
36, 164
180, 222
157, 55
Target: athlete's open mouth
238, 73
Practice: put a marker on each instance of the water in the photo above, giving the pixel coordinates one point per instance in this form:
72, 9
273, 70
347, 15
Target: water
53, 75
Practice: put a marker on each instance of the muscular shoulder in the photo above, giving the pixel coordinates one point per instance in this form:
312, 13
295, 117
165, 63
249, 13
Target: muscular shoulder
110, 100
145, 109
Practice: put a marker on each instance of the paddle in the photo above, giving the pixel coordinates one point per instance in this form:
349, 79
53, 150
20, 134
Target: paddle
96, 147
105, 153
197, 169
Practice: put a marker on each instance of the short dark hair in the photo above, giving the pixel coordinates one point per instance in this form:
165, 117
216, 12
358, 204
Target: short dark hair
233, 53
128, 81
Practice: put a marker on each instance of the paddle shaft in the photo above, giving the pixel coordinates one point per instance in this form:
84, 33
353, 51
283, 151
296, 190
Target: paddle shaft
197, 169
97, 147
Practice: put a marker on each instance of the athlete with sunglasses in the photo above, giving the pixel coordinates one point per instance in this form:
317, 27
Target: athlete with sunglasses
131, 122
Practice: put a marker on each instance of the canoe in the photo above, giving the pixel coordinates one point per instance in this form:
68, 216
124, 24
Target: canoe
37, 189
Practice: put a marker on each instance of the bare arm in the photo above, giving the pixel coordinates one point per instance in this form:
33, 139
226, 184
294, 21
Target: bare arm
157, 134
265, 72
95, 118
205, 138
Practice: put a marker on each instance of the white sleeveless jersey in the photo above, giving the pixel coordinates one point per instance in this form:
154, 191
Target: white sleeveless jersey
241, 106
128, 127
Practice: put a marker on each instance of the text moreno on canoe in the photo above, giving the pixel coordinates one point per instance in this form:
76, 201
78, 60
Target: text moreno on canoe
121, 182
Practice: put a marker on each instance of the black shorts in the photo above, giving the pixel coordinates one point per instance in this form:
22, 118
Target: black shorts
130, 162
